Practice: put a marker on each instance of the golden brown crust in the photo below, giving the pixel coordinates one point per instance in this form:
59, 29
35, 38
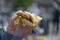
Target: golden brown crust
24, 15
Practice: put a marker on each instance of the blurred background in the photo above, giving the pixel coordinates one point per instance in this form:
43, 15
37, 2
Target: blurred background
49, 10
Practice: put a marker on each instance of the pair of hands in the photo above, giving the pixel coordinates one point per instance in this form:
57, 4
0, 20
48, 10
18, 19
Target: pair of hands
19, 29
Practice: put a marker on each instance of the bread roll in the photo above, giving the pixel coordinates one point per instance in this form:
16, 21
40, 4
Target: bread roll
24, 14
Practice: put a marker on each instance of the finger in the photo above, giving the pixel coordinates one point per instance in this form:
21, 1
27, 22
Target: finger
11, 24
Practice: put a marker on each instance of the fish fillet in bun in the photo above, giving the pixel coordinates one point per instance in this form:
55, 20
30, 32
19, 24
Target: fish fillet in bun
27, 18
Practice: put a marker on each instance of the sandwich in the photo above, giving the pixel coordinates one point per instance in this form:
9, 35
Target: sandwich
27, 18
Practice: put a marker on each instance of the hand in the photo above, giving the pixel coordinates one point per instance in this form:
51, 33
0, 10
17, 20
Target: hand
23, 30
19, 29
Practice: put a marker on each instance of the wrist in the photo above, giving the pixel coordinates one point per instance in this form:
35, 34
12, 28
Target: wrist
10, 32
16, 37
